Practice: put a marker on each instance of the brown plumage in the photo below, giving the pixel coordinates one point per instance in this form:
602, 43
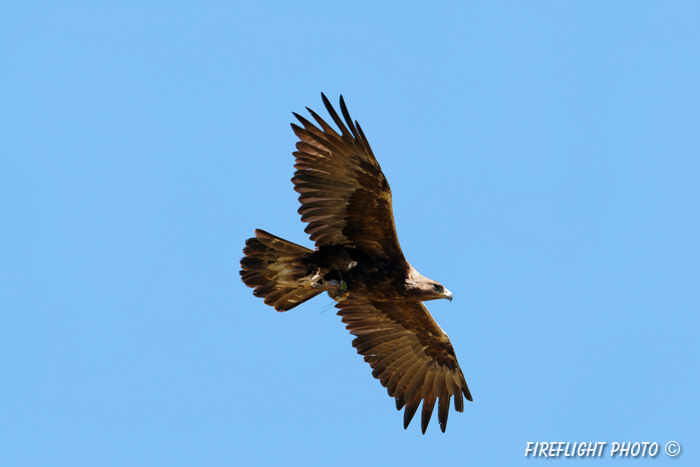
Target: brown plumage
346, 201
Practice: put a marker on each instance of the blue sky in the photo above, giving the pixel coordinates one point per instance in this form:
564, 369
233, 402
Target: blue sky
545, 165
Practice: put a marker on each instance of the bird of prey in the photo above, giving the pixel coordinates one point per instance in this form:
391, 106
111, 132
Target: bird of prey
346, 201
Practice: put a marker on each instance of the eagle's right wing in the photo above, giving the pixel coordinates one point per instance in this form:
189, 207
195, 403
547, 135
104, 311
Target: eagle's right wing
344, 194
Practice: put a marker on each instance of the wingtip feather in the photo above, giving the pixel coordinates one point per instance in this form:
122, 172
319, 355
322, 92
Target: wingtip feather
409, 412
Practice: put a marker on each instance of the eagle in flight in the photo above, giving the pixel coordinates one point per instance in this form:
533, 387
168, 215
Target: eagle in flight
346, 201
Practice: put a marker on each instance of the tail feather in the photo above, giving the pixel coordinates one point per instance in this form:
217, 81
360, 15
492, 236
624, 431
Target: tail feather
271, 266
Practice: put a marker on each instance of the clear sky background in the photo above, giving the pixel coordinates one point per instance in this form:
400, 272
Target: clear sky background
545, 163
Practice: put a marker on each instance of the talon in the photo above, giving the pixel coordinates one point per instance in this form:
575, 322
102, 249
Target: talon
310, 280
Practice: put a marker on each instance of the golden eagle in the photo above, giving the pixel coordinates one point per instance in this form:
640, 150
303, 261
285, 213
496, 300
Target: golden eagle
346, 200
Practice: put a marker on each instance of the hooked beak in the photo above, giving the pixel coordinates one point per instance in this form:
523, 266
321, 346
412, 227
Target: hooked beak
447, 295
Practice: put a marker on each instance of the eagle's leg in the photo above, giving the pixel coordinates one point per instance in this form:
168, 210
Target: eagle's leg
338, 290
312, 280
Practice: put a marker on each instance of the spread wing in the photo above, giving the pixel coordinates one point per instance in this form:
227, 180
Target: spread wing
409, 354
344, 195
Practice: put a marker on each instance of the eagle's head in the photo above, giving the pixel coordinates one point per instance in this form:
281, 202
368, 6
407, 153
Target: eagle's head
425, 289
440, 290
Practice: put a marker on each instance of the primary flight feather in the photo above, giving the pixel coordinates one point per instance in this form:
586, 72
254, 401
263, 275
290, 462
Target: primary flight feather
346, 201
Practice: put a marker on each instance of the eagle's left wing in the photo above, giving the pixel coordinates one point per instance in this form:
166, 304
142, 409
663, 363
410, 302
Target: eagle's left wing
409, 354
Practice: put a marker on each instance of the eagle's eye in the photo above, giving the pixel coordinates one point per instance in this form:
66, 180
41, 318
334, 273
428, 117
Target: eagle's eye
438, 288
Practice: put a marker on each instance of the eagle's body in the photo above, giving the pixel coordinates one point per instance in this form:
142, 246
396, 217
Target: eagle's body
347, 202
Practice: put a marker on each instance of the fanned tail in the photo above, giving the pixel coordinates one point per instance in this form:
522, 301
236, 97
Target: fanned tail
271, 266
